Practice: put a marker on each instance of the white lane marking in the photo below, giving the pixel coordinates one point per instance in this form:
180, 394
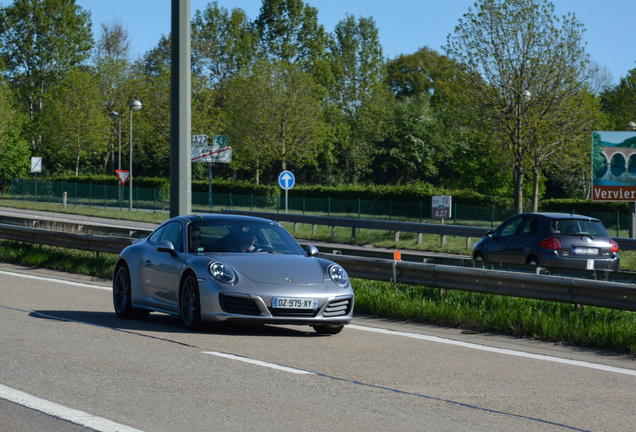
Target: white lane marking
62, 281
60, 411
260, 363
495, 350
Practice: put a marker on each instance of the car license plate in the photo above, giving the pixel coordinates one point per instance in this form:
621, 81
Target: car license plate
294, 303
585, 251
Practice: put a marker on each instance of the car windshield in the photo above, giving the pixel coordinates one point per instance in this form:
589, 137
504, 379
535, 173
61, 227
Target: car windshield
578, 227
232, 236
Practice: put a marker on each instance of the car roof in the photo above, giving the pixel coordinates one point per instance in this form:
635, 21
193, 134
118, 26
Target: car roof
209, 217
556, 215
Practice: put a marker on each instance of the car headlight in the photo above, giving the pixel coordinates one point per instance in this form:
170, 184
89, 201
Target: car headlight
222, 273
338, 275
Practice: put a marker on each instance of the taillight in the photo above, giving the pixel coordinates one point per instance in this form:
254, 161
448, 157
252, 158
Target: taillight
551, 243
613, 246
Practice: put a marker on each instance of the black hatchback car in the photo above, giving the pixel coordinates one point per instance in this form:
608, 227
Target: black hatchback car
550, 240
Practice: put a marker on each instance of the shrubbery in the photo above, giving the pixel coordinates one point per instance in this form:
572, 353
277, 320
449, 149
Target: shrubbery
416, 192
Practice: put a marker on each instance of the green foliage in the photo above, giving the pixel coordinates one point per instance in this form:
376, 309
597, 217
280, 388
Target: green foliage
414, 192
14, 149
75, 124
223, 43
40, 42
60, 259
619, 102
526, 73
275, 115
568, 205
349, 115
241, 187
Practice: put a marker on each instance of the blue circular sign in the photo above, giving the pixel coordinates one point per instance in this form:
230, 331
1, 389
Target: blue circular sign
286, 180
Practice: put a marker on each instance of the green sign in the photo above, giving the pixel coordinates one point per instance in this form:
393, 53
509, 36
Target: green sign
221, 140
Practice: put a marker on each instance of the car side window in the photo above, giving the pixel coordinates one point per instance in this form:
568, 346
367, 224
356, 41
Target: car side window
510, 228
155, 237
174, 234
530, 226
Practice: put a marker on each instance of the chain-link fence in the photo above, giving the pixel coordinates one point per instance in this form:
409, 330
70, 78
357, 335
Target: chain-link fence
118, 197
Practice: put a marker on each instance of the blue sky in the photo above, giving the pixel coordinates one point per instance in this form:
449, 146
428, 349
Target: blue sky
404, 25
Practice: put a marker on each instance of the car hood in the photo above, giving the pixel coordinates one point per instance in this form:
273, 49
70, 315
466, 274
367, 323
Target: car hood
277, 268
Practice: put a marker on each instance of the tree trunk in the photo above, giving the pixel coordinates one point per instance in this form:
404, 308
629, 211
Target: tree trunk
535, 190
518, 188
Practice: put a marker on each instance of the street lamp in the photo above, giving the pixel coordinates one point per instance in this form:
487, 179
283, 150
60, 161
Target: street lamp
115, 114
526, 95
135, 106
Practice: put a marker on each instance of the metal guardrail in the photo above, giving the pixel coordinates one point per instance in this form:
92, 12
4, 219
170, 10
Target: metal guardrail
603, 293
419, 228
615, 295
87, 242
415, 227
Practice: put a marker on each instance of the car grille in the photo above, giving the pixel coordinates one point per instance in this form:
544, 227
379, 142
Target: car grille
293, 312
238, 305
338, 307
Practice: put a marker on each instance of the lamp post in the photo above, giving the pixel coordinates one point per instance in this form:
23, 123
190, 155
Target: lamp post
134, 106
116, 115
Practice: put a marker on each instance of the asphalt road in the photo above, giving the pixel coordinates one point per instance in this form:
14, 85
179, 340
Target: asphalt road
65, 357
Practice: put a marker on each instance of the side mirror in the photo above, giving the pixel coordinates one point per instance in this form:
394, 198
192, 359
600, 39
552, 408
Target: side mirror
166, 246
311, 250
491, 234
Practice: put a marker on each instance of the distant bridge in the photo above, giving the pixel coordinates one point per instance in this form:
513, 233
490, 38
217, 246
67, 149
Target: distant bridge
620, 156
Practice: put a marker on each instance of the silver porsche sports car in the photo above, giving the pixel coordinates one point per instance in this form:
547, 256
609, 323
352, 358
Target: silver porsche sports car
207, 268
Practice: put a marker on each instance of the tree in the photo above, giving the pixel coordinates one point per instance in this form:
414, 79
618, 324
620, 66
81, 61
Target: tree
40, 42
274, 117
76, 124
14, 149
359, 92
113, 69
524, 66
619, 102
425, 71
563, 143
289, 31
412, 147
222, 43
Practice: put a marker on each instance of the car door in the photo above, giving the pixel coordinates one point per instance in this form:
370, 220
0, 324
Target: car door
502, 238
162, 269
520, 243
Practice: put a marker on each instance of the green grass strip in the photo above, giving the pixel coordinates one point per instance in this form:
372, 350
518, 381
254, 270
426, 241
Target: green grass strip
576, 325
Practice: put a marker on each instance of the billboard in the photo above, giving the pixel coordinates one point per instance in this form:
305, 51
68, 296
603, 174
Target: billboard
614, 166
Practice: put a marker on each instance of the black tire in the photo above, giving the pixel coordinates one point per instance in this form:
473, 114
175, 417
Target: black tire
532, 260
478, 257
190, 303
122, 298
328, 329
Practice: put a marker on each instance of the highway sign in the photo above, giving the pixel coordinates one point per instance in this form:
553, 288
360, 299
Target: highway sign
36, 164
123, 176
442, 206
286, 180
199, 140
221, 140
221, 154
